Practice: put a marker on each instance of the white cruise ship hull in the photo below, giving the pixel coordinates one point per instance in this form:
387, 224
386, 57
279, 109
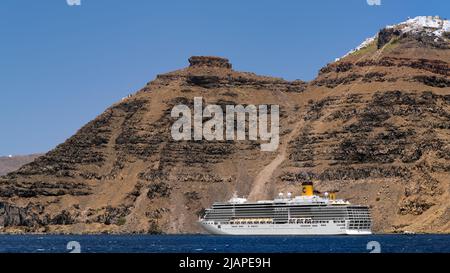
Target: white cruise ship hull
281, 229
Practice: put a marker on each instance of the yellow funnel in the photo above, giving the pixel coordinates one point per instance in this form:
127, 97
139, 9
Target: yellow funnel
307, 188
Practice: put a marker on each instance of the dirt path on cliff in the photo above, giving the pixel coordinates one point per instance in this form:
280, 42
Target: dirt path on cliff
260, 184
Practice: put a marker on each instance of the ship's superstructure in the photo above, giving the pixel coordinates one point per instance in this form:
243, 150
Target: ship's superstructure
308, 214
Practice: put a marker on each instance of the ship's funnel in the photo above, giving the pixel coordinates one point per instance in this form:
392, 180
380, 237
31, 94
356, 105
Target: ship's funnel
332, 195
307, 188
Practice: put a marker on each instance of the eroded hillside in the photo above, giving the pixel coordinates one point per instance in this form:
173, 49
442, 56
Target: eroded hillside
374, 125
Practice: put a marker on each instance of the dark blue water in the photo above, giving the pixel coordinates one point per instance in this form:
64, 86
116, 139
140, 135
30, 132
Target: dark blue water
225, 244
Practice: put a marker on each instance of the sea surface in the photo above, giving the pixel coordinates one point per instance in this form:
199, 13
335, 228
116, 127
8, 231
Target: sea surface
223, 244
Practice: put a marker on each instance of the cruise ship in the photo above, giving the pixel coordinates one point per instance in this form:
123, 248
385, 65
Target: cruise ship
308, 214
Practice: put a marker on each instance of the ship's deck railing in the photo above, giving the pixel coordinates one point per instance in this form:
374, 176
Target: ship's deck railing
252, 221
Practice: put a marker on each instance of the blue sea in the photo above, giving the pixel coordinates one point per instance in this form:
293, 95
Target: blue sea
223, 244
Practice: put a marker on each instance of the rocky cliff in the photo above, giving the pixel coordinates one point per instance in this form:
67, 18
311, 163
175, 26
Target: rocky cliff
374, 125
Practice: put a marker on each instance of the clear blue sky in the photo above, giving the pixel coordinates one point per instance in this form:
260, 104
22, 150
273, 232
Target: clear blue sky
61, 65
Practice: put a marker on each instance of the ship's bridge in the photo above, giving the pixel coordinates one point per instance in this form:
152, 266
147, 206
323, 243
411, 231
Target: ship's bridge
313, 199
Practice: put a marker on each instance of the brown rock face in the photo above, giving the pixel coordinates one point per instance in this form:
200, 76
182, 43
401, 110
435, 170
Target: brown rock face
374, 125
209, 61
386, 35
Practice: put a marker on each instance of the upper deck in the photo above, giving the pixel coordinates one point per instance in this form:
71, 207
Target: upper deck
295, 201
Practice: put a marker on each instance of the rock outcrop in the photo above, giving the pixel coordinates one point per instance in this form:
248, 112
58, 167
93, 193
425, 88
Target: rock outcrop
210, 61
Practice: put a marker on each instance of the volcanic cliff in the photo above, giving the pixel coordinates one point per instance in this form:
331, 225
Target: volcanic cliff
374, 125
